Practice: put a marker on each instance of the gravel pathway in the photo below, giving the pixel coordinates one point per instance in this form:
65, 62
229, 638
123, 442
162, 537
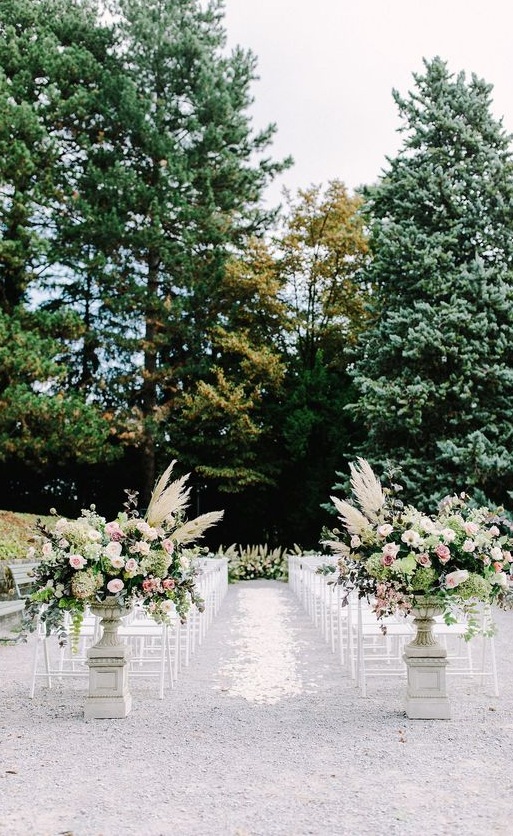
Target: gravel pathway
263, 735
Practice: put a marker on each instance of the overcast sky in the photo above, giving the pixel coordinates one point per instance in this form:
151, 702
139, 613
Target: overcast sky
327, 69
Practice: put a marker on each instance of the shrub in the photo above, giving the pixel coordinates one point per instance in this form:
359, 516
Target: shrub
247, 563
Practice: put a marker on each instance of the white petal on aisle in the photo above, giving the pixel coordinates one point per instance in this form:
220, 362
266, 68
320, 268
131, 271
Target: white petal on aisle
261, 661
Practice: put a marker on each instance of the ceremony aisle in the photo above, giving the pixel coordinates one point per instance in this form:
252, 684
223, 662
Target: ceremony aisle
262, 735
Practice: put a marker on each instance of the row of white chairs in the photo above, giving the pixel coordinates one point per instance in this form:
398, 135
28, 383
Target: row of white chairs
370, 647
157, 651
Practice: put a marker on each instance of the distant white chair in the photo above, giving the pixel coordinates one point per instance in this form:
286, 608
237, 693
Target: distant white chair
474, 658
23, 577
52, 661
154, 648
365, 651
378, 644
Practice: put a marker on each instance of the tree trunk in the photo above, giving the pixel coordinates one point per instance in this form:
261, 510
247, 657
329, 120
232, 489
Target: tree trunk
149, 387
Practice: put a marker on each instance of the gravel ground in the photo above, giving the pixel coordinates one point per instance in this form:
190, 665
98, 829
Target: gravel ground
263, 735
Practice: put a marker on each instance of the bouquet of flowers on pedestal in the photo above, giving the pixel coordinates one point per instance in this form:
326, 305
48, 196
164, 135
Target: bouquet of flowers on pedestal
134, 560
398, 556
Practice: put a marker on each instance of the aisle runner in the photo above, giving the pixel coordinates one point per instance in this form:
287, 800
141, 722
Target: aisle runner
261, 660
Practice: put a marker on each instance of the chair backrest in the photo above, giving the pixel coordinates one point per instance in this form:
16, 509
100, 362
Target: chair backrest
23, 577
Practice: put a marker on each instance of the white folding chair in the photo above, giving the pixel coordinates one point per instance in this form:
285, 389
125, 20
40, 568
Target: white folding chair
461, 652
52, 661
379, 645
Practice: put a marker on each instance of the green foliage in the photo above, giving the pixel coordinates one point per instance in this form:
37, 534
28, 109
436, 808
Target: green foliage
246, 563
225, 420
434, 371
41, 422
320, 255
130, 176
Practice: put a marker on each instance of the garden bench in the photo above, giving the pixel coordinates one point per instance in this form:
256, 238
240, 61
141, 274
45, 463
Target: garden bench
23, 582
22, 575
11, 607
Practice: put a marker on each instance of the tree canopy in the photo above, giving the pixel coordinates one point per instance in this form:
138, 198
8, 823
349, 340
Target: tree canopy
434, 373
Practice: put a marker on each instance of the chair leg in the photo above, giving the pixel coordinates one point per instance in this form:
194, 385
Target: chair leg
34, 668
47, 661
163, 661
178, 642
361, 679
169, 659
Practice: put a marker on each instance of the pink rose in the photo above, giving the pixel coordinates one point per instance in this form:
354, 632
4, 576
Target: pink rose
148, 585
168, 583
387, 560
443, 553
469, 546
454, 579
115, 585
494, 531
470, 528
77, 561
390, 550
385, 529
168, 545
424, 559
114, 531
131, 565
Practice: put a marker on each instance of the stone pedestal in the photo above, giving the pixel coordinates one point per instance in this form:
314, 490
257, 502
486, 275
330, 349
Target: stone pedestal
109, 697
426, 660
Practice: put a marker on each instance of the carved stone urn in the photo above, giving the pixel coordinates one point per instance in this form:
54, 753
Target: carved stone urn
109, 697
426, 660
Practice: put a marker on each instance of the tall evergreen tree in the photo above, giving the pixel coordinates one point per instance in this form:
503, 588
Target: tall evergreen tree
190, 177
228, 435
435, 372
43, 423
130, 179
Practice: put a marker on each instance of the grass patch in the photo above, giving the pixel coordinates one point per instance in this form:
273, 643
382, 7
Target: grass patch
17, 533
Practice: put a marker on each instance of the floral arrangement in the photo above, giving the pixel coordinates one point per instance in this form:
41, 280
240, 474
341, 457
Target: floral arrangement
252, 562
130, 559
398, 556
